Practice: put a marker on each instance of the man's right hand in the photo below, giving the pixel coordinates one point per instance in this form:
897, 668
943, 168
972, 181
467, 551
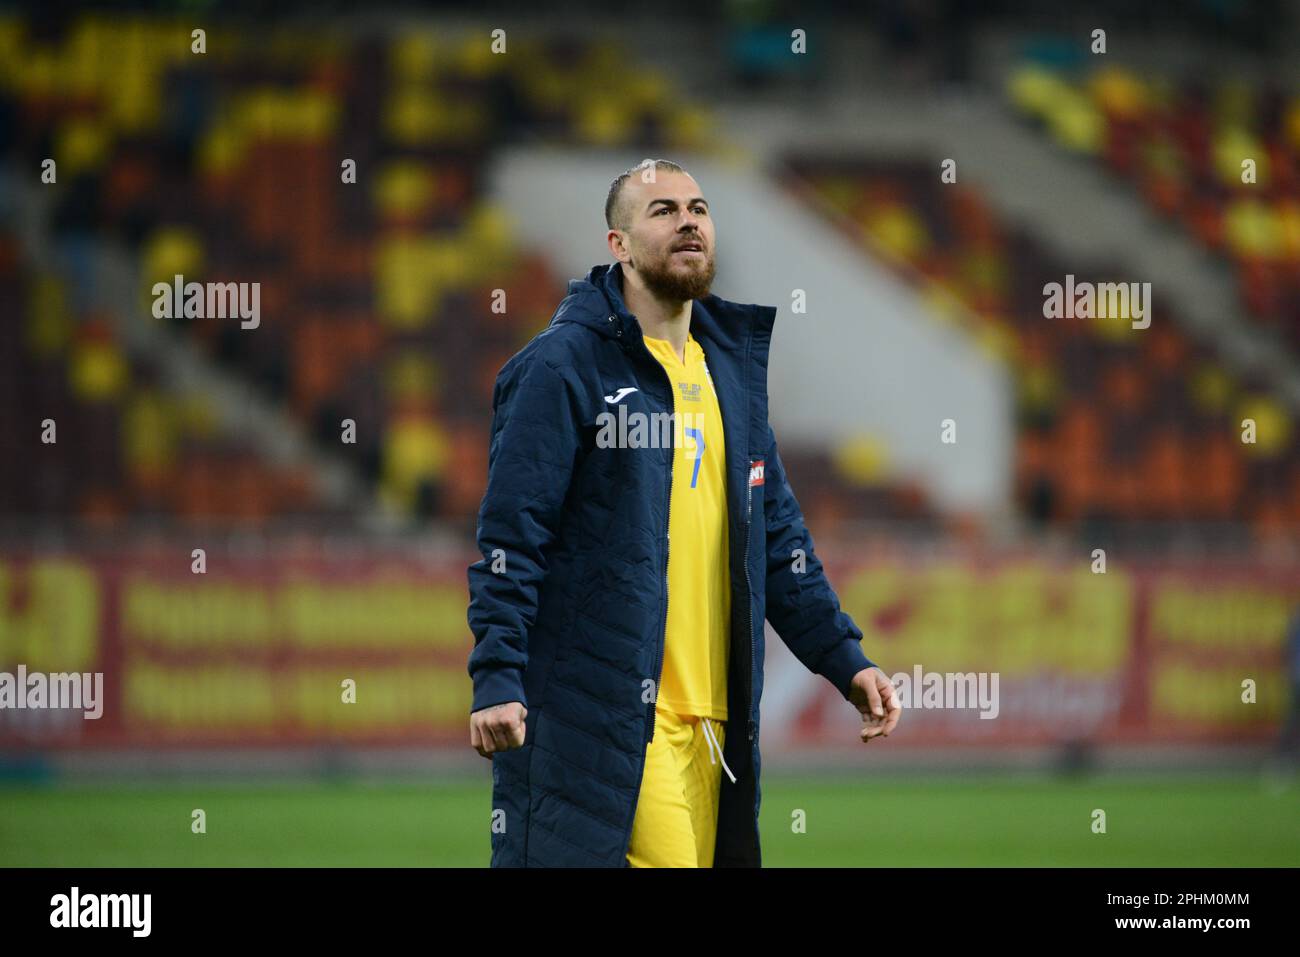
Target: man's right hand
498, 728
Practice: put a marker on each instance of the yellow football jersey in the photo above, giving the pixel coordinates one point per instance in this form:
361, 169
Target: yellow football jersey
694, 678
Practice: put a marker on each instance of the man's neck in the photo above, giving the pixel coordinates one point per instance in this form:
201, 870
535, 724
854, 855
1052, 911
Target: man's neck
659, 318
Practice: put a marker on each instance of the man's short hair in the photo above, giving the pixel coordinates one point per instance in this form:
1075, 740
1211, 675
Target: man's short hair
616, 216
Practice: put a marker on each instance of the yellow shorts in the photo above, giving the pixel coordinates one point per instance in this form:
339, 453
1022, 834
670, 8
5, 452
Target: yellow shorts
676, 819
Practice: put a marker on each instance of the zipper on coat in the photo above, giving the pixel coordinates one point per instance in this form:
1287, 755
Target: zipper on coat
668, 508
663, 638
749, 603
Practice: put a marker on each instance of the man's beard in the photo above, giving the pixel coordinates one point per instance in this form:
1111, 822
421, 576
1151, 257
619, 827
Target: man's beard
666, 283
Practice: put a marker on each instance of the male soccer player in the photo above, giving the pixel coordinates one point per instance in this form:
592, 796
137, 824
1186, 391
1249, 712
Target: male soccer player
636, 530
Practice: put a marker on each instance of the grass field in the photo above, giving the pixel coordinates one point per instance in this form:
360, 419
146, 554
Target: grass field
1174, 821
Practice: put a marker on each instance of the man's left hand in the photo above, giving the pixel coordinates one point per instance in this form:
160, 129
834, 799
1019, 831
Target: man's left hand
874, 696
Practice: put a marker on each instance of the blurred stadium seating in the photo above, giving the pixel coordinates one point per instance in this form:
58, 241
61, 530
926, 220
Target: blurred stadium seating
330, 559
231, 165
1182, 142
1116, 425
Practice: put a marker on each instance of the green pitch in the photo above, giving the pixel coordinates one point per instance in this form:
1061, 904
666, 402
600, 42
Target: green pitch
900, 821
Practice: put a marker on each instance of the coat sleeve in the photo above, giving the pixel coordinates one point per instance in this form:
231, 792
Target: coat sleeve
531, 458
801, 605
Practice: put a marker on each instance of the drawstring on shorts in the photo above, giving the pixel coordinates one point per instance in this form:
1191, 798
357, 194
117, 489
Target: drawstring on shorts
711, 736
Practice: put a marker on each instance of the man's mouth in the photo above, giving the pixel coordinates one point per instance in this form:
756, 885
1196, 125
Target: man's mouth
689, 248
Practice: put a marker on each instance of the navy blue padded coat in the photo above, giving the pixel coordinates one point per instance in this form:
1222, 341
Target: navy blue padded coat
571, 622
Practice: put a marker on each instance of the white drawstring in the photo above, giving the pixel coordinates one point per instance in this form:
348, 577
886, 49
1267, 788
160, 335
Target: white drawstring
713, 744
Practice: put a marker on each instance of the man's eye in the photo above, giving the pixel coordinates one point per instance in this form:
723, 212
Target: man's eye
702, 210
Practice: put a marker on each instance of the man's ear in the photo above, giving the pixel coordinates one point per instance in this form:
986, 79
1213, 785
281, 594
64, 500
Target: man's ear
617, 239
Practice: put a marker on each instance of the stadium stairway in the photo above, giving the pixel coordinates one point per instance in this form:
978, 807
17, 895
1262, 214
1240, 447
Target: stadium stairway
240, 408
862, 364
1072, 205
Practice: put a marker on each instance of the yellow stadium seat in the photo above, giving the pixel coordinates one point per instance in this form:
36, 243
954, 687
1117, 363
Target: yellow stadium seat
412, 377
1039, 387
415, 449
1232, 144
601, 120
97, 372
148, 432
403, 188
1272, 426
406, 280
899, 231
197, 415
1035, 89
1119, 91
1212, 389
474, 57
691, 128
1251, 229
81, 144
172, 251
1077, 124
412, 116
415, 57
862, 460
996, 341
49, 327
222, 149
